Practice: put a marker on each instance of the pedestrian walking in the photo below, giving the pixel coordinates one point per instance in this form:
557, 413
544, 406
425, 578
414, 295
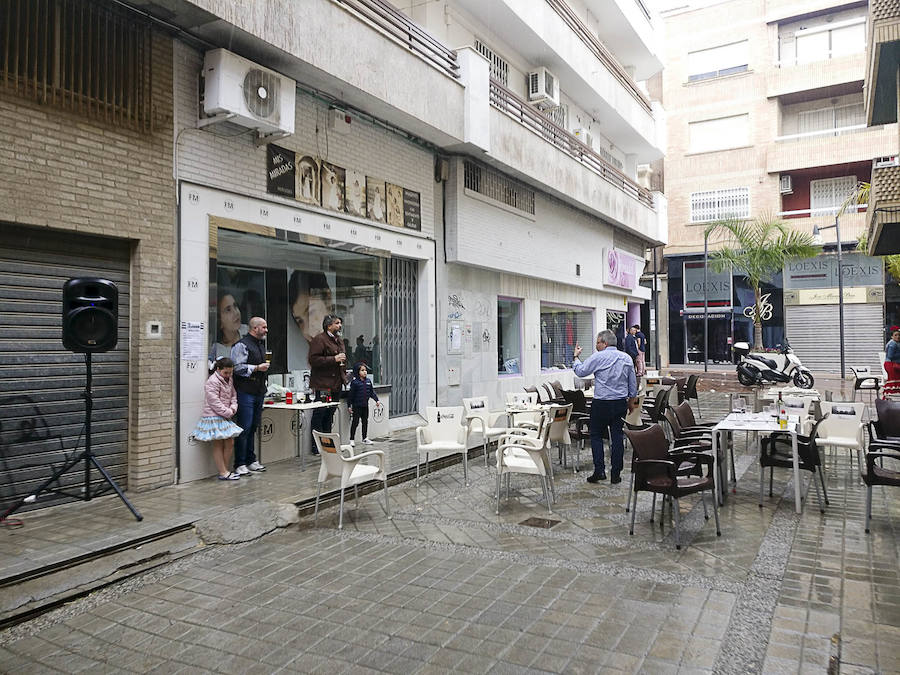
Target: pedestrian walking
215, 425
361, 390
892, 355
615, 394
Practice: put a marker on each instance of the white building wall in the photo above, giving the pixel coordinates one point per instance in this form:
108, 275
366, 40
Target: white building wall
224, 156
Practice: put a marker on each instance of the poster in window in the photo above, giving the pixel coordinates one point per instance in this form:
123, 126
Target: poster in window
333, 182
307, 190
394, 205
311, 296
280, 170
412, 210
241, 295
376, 208
356, 193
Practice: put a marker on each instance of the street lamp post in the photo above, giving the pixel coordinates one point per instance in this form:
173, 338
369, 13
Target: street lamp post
837, 232
705, 302
655, 311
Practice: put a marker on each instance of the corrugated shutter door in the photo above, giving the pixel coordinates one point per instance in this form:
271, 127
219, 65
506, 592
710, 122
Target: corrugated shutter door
41, 383
813, 334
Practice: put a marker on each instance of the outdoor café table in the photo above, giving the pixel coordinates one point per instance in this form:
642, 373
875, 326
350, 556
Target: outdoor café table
789, 392
756, 422
298, 409
513, 410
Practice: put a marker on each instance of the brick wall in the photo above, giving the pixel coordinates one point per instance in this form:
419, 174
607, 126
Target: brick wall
63, 171
223, 156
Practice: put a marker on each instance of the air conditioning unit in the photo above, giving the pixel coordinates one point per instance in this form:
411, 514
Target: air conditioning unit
883, 162
786, 184
543, 88
584, 136
240, 91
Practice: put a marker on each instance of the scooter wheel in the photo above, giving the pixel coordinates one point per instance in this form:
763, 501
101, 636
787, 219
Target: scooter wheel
804, 379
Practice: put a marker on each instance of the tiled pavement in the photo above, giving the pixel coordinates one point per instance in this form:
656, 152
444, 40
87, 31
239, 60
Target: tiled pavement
447, 585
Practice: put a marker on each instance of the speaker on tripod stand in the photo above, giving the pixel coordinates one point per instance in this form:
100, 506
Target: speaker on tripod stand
90, 318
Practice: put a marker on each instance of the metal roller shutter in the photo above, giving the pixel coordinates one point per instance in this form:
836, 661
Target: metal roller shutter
41, 383
400, 334
813, 334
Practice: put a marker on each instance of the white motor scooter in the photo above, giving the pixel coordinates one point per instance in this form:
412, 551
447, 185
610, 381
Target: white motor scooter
783, 366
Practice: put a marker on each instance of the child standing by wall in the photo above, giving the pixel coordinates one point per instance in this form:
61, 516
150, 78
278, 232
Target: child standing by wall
361, 390
219, 406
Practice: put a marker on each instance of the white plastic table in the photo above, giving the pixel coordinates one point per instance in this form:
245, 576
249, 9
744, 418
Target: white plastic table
298, 409
756, 422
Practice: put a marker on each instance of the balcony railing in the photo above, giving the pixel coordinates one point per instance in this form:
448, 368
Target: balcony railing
822, 132
600, 51
827, 211
513, 106
399, 26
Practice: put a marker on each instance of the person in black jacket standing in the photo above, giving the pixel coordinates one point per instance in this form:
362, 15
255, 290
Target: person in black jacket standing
250, 366
361, 390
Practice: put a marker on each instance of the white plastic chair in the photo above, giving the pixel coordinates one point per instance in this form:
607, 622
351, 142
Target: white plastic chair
483, 420
351, 470
842, 426
520, 453
447, 433
558, 433
802, 407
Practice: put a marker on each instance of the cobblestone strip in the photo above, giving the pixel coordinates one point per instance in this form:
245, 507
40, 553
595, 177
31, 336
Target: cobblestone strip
610, 569
744, 645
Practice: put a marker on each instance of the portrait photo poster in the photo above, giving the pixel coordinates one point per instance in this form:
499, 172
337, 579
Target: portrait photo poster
241, 295
333, 182
308, 189
376, 206
394, 205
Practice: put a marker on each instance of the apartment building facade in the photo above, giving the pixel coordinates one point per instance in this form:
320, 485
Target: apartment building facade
458, 179
766, 118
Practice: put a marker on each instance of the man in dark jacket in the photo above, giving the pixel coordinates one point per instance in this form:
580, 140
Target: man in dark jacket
631, 345
327, 360
250, 366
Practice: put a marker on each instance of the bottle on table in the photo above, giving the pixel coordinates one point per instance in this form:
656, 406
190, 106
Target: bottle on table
782, 413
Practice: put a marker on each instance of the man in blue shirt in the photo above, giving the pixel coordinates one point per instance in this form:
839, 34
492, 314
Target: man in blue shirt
615, 394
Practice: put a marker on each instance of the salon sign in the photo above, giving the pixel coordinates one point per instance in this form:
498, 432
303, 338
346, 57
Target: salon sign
620, 269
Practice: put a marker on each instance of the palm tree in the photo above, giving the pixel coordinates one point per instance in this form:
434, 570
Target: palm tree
757, 249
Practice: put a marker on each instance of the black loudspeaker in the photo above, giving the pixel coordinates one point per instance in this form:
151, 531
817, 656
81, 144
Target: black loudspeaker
90, 315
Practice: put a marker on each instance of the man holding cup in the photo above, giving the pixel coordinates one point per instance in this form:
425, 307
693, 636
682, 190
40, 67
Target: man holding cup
327, 362
250, 365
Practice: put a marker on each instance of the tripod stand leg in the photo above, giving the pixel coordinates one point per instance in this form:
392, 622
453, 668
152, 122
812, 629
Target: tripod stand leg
114, 486
34, 495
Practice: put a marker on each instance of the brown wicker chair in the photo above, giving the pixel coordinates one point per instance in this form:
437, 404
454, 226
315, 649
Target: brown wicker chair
878, 474
656, 471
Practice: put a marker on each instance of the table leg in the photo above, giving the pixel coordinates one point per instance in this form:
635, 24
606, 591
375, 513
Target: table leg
796, 461
298, 423
715, 454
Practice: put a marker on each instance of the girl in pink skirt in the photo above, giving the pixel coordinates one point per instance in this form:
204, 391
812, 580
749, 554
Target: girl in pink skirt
215, 423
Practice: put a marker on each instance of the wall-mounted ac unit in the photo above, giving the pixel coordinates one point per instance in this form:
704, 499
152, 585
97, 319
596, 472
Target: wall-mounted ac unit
786, 185
584, 136
543, 88
883, 162
240, 91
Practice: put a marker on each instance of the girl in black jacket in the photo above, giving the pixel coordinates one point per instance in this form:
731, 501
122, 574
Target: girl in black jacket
361, 390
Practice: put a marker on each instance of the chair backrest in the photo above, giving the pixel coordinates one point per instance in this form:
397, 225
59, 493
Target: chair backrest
444, 422
690, 389
517, 398
841, 418
685, 414
558, 389
559, 422
477, 406
659, 405
888, 417
329, 447
538, 393
634, 417
861, 371
672, 419
649, 443
577, 399
548, 391
797, 405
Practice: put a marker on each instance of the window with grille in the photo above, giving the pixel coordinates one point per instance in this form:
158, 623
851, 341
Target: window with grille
561, 329
498, 187
89, 57
559, 116
719, 204
827, 195
499, 66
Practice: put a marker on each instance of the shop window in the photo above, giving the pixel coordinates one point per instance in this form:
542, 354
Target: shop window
509, 336
561, 329
294, 286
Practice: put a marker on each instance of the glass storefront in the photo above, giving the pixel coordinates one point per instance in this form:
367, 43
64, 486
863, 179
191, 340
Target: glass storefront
293, 286
561, 329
